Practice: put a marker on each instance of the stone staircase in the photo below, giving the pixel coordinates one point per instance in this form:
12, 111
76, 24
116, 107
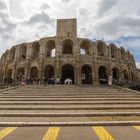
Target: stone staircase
69, 105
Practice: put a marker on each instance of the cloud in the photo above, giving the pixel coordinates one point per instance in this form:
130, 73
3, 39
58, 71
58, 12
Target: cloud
105, 6
114, 27
45, 6
66, 1
138, 65
3, 5
114, 20
40, 18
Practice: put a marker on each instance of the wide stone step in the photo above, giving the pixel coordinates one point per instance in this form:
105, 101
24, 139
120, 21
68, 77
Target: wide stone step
85, 114
66, 107
64, 94
70, 99
68, 111
68, 102
85, 96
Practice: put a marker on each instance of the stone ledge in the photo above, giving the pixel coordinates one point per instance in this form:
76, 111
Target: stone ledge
9, 88
126, 89
65, 124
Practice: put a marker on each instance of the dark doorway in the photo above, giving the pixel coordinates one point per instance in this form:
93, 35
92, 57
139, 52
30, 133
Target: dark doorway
20, 74
132, 76
34, 72
125, 74
86, 74
49, 72
115, 76
9, 73
103, 75
67, 73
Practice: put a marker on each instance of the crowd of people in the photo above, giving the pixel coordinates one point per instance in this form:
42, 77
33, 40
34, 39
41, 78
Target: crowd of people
36, 81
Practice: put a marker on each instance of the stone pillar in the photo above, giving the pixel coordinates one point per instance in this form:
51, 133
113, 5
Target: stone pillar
28, 52
42, 50
57, 55
17, 53
79, 76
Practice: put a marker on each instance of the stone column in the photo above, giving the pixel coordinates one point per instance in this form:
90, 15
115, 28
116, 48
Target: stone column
57, 55
28, 52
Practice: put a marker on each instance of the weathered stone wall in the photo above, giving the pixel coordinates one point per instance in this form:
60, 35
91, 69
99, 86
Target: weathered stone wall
66, 56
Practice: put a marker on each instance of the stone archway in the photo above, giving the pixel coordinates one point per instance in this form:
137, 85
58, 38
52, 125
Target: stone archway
35, 50
48, 72
85, 47
50, 49
34, 73
132, 77
86, 76
113, 50
67, 72
115, 75
101, 48
9, 79
20, 73
125, 76
67, 46
9, 73
103, 75
23, 50
12, 54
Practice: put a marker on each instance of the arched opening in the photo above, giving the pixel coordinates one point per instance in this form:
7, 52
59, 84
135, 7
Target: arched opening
35, 50
86, 74
67, 73
115, 76
49, 72
9, 73
50, 49
23, 49
132, 76
82, 51
85, 47
20, 74
67, 46
103, 75
9, 79
114, 51
122, 53
12, 54
101, 48
125, 75
34, 73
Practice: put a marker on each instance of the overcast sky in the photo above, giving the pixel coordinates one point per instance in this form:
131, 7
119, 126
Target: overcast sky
111, 20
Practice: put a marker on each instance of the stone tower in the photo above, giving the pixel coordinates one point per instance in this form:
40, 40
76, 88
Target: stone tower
67, 28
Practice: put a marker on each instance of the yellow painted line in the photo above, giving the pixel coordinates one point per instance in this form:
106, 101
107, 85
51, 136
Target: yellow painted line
52, 133
137, 127
102, 133
6, 131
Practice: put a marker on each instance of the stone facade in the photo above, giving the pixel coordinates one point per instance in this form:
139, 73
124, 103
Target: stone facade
66, 56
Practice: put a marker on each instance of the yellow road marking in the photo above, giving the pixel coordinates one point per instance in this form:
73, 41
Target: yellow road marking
6, 131
52, 133
137, 127
102, 133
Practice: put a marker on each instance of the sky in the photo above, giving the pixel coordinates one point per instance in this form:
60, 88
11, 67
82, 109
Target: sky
115, 21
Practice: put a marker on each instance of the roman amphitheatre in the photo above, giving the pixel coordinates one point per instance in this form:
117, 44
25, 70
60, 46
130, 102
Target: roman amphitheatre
67, 56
